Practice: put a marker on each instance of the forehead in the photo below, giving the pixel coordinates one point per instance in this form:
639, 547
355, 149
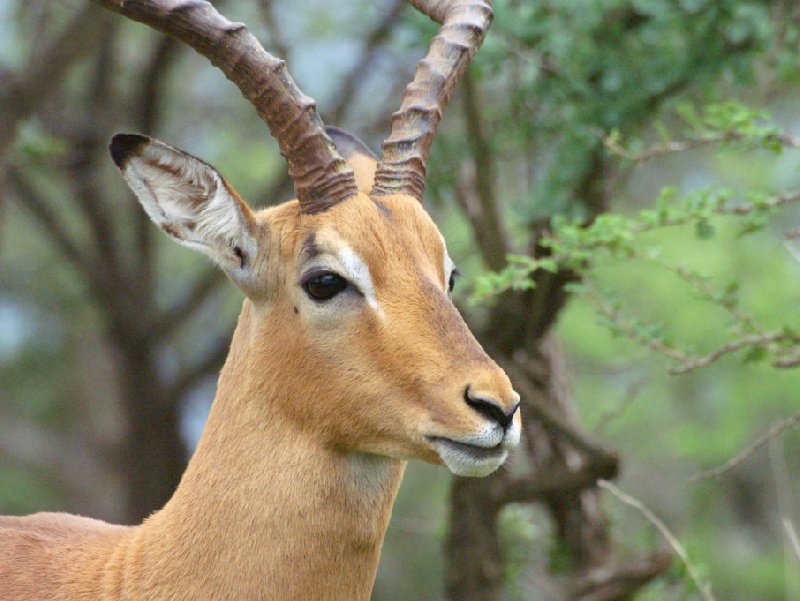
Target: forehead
395, 230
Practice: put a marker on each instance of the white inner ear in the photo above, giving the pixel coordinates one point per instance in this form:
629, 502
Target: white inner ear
190, 201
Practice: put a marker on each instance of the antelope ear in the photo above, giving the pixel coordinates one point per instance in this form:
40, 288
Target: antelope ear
358, 156
190, 201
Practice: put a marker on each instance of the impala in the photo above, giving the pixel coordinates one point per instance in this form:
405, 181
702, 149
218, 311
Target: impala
349, 356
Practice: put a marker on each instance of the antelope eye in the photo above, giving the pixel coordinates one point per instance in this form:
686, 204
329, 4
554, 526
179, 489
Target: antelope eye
324, 285
452, 282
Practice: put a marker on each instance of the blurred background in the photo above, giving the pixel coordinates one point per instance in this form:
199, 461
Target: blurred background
636, 158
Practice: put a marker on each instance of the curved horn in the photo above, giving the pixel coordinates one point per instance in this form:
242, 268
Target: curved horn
464, 25
321, 177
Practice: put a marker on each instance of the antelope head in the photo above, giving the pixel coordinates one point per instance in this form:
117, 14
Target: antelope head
348, 287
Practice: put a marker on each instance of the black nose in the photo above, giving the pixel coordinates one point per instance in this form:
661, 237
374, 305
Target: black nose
490, 408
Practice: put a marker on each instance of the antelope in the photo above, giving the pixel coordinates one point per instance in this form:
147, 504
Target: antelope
349, 357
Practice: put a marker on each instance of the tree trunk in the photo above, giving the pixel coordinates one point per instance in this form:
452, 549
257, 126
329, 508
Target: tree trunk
153, 455
473, 551
560, 476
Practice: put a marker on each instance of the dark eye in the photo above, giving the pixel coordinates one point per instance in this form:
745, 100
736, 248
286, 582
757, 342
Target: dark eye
453, 277
325, 285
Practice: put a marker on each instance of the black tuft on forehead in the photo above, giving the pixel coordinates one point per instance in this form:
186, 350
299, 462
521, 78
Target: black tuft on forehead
309, 247
386, 211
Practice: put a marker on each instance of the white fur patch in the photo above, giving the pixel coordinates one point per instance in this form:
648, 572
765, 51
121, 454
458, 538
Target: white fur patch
356, 270
448, 266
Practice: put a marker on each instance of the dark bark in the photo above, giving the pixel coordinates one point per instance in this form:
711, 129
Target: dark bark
581, 527
476, 190
23, 93
473, 551
560, 474
562, 465
152, 454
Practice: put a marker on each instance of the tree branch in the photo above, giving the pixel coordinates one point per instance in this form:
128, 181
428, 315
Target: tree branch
559, 481
208, 366
676, 146
23, 94
613, 583
776, 430
597, 454
680, 550
206, 284
52, 225
321, 176
342, 100
475, 191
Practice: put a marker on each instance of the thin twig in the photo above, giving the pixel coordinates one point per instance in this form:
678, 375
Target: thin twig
689, 362
631, 394
774, 431
676, 146
791, 534
766, 340
771, 203
791, 248
697, 282
22, 95
628, 329
680, 550
785, 502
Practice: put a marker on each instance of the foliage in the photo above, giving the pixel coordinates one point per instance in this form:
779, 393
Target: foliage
578, 247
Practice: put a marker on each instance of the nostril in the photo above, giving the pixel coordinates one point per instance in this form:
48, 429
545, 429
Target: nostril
490, 408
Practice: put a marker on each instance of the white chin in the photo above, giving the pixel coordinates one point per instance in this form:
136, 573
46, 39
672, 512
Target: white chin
468, 460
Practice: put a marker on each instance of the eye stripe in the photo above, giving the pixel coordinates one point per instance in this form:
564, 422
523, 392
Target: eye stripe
356, 270
449, 266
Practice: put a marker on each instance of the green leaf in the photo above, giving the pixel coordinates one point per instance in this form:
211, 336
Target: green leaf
704, 229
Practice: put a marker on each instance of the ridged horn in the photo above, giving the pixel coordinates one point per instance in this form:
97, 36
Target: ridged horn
321, 177
405, 152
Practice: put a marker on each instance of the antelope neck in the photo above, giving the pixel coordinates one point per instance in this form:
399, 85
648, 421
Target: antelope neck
267, 512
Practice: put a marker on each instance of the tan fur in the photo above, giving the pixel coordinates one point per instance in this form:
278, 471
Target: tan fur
289, 493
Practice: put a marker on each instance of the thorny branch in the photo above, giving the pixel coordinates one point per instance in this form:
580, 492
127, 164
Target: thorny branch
676, 146
776, 430
680, 550
766, 340
783, 344
709, 293
571, 252
627, 328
